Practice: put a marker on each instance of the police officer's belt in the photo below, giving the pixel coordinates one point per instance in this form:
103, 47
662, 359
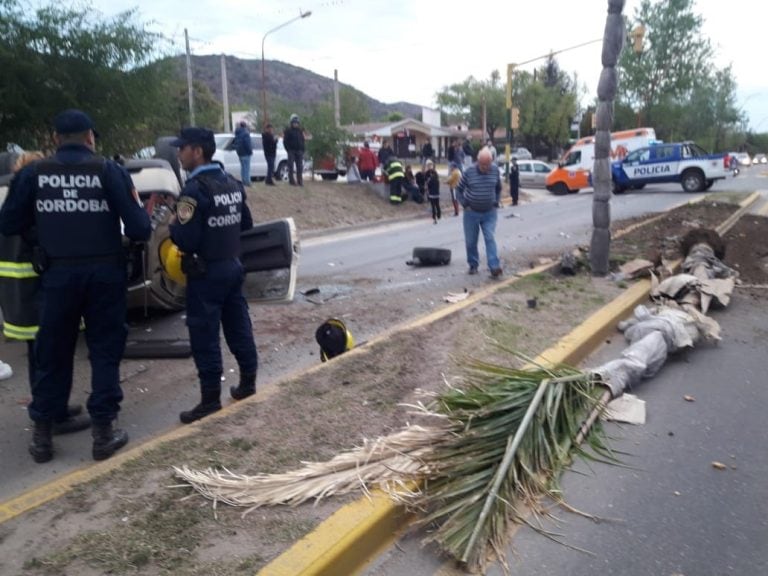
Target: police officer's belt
118, 259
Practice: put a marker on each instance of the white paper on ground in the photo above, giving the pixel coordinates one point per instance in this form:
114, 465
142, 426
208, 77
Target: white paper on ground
626, 408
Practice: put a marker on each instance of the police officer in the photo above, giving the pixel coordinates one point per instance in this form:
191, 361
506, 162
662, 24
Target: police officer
210, 214
76, 200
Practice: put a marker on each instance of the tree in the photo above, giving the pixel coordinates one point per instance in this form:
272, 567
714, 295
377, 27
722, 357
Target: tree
353, 106
548, 102
673, 84
472, 101
394, 117
326, 139
57, 57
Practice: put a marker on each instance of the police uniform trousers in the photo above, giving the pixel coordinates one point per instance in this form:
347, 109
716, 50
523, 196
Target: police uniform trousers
216, 299
97, 293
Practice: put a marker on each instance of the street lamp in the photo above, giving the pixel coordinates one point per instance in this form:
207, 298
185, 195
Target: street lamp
263, 75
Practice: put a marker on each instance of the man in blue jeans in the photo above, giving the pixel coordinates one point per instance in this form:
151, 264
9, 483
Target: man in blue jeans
244, 149
479, 192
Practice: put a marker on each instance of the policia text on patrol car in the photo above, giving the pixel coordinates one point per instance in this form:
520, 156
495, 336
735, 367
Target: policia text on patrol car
210, 214
70, 207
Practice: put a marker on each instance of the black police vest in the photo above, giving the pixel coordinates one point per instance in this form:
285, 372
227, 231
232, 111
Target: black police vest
74, 219
221, 235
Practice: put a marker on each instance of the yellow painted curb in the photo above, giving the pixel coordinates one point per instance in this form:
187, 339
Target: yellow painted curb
345, 542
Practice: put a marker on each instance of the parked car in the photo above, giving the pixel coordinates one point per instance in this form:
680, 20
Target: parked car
519, 153
759, 159
227, 156
533, 173
743, 158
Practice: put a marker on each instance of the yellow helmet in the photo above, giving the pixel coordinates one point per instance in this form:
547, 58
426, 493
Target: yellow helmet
334, 338
170, 260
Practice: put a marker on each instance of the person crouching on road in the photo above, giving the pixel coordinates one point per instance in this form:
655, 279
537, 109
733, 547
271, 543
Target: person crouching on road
210, 214
479, 192
83, 274
396, 177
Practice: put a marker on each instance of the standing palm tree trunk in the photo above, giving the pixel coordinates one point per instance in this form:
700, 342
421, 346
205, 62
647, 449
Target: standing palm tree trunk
613, 43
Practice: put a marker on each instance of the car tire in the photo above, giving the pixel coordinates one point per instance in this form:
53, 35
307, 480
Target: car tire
330, 177
281, 172
560, 189
708, 184
692, 181
617, 188
431, 256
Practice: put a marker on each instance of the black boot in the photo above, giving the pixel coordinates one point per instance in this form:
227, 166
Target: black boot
71, 424
209, 403
107, 440
247, 387
42, 442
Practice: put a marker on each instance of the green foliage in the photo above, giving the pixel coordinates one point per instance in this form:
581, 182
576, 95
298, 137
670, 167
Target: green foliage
394, 117
353, 108
673, 85
327, 140
59, 57
547, 102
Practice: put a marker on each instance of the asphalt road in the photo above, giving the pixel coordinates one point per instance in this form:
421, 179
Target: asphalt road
671, 513
156, 390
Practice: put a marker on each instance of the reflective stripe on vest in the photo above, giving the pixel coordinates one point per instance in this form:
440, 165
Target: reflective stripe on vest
16, 270
19, 332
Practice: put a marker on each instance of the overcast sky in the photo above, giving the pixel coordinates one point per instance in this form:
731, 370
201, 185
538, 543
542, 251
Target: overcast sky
408, 50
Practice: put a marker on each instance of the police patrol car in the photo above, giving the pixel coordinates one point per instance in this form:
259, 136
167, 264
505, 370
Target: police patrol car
683, 162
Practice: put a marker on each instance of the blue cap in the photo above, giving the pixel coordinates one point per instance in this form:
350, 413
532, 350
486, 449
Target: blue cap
194, 136
73, 121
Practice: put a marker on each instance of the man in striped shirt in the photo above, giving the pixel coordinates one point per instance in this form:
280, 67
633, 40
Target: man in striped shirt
479, 192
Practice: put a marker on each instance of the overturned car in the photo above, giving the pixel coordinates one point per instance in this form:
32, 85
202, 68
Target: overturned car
155, 280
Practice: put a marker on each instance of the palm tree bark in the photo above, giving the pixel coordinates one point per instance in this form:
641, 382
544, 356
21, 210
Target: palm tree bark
613, 43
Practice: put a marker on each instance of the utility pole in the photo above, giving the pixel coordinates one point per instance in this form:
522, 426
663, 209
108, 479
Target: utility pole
225, 93
189, 82
336, 101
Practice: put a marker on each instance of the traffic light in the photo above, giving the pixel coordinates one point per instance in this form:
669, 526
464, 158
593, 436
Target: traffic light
514, 121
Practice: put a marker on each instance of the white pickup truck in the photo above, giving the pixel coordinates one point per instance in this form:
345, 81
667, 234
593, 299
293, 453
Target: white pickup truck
683, 162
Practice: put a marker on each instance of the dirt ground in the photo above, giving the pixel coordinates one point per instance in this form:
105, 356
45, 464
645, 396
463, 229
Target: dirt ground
132, 522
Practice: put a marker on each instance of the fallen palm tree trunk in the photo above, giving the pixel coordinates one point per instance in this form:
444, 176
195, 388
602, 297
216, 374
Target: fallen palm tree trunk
490, 449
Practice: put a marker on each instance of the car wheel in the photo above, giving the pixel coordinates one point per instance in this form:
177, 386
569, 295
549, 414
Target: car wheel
573, 191
693, 181
617, 188
560, 189
281, 172
431, 256
638, 186
329, 176
708, 184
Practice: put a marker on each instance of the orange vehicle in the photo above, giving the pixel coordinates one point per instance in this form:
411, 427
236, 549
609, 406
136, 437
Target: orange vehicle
574, 168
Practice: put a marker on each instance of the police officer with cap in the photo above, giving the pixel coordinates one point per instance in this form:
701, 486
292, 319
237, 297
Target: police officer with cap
210, 214
76, 201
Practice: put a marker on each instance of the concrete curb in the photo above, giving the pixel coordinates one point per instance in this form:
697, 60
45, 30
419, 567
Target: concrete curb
347, 541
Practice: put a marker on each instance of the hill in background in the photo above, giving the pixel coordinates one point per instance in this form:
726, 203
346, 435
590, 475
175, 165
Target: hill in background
285, 82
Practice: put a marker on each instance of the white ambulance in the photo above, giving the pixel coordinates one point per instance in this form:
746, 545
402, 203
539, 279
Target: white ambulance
573, 169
